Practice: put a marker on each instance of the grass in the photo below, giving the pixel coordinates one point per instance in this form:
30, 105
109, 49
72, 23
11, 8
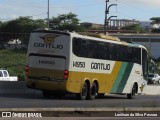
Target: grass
14, 61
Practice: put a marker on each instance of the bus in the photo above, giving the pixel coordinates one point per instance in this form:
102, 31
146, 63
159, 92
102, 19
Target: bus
86, 64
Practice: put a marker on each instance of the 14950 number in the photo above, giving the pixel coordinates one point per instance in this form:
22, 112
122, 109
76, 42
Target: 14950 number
78, 64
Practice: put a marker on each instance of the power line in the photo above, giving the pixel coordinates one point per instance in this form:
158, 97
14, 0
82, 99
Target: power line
93, 16
22, 6
39, 14
66, 6
5, 19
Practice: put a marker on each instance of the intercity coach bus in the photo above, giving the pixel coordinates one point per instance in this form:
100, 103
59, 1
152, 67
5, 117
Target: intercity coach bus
89, 65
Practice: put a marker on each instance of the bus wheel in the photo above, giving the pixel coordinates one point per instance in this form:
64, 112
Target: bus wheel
93, 91
46, 94
84, 91
133, 93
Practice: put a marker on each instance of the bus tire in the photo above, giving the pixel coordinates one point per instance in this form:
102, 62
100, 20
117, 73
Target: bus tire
133, 93
93, 91
84, 92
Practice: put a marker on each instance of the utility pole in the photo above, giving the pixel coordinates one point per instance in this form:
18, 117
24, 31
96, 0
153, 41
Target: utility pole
48, 15
106, 19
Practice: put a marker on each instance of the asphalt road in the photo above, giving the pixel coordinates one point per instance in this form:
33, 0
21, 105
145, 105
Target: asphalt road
32, 101
70, 101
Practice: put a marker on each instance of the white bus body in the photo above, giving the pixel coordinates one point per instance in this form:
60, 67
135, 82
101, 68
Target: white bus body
60, 62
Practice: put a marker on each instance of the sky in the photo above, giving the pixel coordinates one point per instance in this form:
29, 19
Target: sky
86, 10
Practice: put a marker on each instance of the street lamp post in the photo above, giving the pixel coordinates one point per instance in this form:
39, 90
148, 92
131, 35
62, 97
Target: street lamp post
48, 15
107, 12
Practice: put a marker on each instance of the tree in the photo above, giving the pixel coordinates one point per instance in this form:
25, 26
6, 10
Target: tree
135, 27
155, 21
65, 22
19, 29
1, 23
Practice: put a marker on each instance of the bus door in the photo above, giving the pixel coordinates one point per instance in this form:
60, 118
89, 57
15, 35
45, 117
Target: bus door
145, 64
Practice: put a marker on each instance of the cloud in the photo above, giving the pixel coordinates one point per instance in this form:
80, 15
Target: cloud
11, 9
146, 3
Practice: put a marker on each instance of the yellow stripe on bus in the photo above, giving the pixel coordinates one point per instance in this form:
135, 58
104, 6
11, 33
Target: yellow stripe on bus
105, 81
114, 74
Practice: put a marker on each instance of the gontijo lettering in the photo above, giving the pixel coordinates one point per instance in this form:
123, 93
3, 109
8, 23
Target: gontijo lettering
48, 42
43, 45
100, 66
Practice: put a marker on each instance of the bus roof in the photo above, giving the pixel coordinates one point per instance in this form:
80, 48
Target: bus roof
102, 37
51, 31
94, 36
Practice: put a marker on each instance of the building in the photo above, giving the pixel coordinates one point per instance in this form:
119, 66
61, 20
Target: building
120, 23
92, 26
112, 24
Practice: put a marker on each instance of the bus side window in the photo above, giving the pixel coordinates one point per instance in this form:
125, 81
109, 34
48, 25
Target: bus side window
137, 55
144, 63
92, 48
106, 52
113, 51
125, 56
110, 46
84, 49
117, 52
135, 59
76, 46
99, 52
120, 53
130, 55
